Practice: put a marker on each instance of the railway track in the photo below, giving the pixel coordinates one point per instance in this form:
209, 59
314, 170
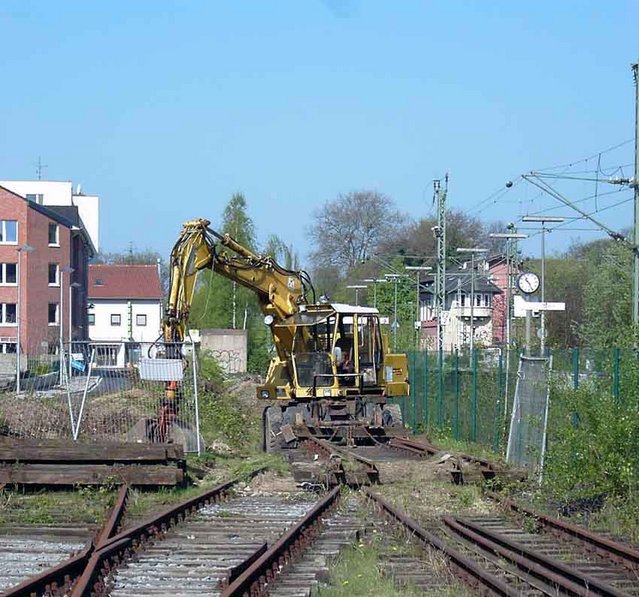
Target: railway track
224, 542
496, 555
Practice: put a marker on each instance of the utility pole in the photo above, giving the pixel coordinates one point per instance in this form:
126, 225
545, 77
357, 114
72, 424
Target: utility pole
635, 231
440, 278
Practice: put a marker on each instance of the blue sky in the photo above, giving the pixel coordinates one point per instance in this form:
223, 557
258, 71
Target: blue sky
165, 108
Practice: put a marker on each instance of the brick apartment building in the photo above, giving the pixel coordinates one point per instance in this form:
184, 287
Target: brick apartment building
46, 241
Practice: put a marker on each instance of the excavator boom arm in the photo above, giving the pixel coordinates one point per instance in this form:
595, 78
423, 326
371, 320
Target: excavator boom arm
280, 291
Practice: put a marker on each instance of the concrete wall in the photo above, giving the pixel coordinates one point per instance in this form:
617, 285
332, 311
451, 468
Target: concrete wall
229, 347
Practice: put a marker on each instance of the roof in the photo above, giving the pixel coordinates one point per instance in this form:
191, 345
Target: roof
46, 211
124, 282
462, 280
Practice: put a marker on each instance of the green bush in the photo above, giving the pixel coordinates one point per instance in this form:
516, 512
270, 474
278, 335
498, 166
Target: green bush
593, 442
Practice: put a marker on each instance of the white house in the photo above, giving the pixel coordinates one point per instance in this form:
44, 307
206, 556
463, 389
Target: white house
60, 193
125, 311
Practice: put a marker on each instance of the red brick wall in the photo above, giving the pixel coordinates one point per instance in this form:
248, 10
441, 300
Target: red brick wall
33, 229
499, 273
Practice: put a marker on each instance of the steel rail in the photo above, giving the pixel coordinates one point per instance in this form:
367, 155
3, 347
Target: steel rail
347, 477
119, 547
263, 572
603, 546
486, 467
464, 567
59, 578
530, 562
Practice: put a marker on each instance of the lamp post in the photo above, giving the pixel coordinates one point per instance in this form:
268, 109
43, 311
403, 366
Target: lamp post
72, 286
21, 249
357, 288
63, 270
374, 282
473, 251
542, 220
417, 269
394, 278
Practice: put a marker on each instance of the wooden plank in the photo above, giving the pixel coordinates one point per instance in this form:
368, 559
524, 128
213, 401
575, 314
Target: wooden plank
90, 474
12, 450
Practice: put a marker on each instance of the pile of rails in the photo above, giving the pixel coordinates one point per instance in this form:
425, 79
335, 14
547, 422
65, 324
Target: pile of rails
28, 462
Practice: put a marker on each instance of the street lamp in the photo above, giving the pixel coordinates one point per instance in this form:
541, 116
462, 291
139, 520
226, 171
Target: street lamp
394, 278
417, 269
374, 282
63, 270
473, 251
21, 249
357, 288
72, 286
542, 220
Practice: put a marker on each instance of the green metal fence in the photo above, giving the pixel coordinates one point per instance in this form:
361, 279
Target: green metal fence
469, 396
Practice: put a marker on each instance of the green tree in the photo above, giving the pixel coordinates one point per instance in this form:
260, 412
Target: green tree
607, 298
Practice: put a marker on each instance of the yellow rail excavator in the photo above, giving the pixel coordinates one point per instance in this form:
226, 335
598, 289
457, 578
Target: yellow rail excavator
331, 374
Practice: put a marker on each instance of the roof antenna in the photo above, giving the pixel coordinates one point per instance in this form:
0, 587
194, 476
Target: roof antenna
39, 167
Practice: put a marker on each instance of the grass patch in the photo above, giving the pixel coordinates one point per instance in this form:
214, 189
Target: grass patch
357, 572
83, 506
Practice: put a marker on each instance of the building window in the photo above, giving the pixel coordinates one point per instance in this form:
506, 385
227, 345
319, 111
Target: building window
54, 274
487, 300
36, 198
140, 320
462, 300
8, 274
8, 348
116, 319
91, 318
7, 313
52, 316
54, 235
478, 300
8, 232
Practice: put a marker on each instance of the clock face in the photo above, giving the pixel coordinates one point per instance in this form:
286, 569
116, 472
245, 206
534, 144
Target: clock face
528, 282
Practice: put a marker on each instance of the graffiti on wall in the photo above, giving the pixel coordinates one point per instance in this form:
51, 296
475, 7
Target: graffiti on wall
229, 359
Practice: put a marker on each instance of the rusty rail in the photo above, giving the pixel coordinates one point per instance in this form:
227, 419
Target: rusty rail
59, 579
546, 569
367, 474
265, 570
465, 568
603, 546
121, 546
412, 446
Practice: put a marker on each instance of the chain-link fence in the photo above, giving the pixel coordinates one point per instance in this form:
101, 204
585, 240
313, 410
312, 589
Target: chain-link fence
470, 396
114, 391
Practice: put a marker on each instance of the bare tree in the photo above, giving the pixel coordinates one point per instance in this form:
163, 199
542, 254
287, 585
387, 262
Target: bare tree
348, 229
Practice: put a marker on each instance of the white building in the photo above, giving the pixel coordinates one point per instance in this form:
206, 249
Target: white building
60, 193
125, 311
